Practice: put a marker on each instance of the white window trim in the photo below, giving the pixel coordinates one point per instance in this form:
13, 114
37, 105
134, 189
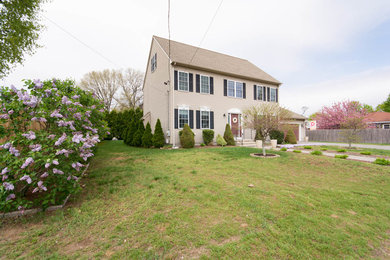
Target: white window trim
178, 81
183, 108
235, 88
201, 125
200, 84
386, 125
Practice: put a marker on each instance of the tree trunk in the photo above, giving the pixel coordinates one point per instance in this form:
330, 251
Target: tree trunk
263, 144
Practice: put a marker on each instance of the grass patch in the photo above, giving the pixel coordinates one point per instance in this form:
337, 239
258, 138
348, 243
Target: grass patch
341, 156
307, 147
323, 149
196, 203
316, 153
365, 153
382, 161
341, 150
283, 149
297, 151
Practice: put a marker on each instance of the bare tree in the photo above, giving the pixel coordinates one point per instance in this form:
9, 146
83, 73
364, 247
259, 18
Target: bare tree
130, 95
104, 84
264, 118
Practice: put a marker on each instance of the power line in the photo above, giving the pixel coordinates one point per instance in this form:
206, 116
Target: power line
208, 28
80, 41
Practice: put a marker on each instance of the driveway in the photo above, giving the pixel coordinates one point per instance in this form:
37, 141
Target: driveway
371, 146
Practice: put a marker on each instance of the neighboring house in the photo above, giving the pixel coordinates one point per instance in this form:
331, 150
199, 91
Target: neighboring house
379, 119
205, 90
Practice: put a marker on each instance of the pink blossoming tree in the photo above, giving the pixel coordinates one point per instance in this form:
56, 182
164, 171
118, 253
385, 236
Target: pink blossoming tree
347, 115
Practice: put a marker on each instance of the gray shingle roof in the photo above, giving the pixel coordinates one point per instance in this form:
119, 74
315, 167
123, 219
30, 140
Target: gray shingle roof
181, 54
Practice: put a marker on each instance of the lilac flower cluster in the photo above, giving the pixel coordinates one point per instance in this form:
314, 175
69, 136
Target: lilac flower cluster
28, 161
52, 150
30, 135
60, 140
12, 150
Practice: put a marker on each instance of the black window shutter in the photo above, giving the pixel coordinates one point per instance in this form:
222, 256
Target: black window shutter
176, 118
191, 119
191, 82
244, 90
197, 119
155, 60
268, 93
264, 94
211, 119
211, 85
197, 80
225, 87
277, 90
175, 83
254, 92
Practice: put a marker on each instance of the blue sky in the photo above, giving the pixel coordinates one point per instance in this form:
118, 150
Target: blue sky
323, 51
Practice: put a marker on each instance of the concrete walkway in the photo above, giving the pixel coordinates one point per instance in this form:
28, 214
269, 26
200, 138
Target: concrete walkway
370, 146
350, 157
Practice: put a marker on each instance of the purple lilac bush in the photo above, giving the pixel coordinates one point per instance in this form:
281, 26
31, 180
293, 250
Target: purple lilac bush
48, 132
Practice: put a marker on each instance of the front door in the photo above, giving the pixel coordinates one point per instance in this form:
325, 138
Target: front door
235, 125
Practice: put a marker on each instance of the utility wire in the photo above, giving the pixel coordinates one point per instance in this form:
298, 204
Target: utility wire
208, 28
80, 41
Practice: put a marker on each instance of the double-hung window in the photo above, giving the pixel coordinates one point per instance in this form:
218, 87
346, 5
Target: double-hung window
260, 93
235, 89
204, 84
183, 81
273, 94
230, 88
183, 117
205, 119
387, 126
239, 89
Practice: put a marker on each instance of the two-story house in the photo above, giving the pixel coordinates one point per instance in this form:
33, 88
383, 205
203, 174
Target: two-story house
205, 90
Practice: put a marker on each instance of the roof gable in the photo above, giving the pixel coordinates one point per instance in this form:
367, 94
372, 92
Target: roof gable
181, 54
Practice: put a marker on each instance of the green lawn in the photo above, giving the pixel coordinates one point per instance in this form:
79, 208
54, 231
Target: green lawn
378, 152
196, 203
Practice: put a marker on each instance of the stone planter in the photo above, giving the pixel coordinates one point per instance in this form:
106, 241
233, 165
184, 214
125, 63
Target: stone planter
259, 144
274, 143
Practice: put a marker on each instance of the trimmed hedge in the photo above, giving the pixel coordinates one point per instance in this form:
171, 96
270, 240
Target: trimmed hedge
147, 137
208, 136
221, 141
228, 136
187, 139
278, 135
290, 137
158, 137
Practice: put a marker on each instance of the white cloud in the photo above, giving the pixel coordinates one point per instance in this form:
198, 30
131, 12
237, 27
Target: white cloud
370, 87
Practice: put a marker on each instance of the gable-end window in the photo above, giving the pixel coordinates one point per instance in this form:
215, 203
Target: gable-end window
273, 94
260, 93
153, 62
230, 88
204, 84
183, 81
183, 117
239, 89
205, 119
